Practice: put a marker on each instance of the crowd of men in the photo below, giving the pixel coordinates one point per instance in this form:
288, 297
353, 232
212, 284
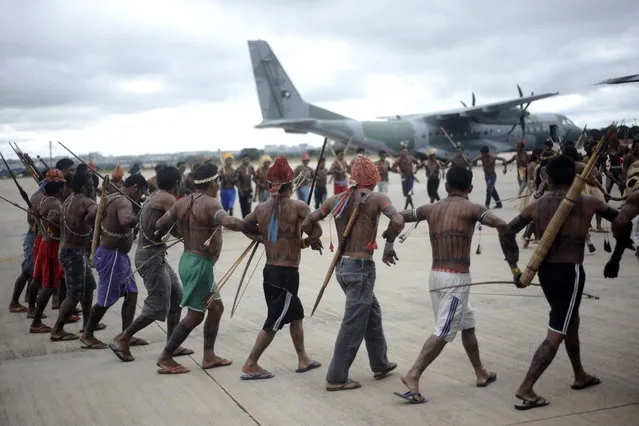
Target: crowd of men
193, 208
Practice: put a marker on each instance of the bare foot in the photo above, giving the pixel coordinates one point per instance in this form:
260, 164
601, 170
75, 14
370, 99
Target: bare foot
215, 362
253, 370
169, 366
92, 343
121, 344
412, 385
486, 378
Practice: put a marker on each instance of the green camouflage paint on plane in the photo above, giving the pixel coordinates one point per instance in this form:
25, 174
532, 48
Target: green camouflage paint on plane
496, 125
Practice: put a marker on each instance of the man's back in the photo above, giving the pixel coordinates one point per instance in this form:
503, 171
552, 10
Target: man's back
452, 223
196, 218
569, 244
361, 241
286, 250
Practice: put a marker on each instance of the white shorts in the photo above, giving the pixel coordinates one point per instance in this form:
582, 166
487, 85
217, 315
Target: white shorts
635, 231
451, 308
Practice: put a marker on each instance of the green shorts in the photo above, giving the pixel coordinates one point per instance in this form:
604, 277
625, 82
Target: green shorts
198, 281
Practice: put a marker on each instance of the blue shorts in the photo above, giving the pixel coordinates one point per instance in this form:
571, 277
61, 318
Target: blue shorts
407, 185
227, 196
27, 247
116, 279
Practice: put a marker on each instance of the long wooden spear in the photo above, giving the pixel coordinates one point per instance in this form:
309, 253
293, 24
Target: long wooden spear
562, 212
98, 223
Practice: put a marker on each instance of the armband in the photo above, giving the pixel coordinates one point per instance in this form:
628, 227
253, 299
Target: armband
304, 243
515, 270
482, 216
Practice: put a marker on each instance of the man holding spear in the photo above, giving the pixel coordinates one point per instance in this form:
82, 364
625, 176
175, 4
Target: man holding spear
361, 208
561, 273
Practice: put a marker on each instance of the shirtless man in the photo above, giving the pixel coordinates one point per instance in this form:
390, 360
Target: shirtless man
432, 167
338, 172
625, 223
164, 290
77, 216
521, 158
459, 159
631, 157
452, 223
320, 192
26, 267
36, 282
404, 166
306, 179
152, 183
561, 275
280, 221
615, 156
488, 161
355, 272
47, 266
112, 261
245, 176
199, 218
228, 181
261, 185
383, 167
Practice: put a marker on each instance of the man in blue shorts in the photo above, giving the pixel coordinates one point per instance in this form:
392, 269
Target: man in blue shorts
228, 180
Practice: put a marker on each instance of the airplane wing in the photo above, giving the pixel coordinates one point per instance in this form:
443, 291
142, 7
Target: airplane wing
477, 110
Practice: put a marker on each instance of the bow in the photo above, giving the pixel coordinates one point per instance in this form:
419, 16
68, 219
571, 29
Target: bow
23, 194
451, 287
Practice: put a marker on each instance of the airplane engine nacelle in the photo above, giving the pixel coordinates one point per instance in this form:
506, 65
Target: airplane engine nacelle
298, 132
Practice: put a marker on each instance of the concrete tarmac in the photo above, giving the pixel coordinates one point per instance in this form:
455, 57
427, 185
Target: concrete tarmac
58, 383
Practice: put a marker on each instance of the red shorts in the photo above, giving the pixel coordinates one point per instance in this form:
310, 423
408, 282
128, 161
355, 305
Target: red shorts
338, 189
36, 245
47, 265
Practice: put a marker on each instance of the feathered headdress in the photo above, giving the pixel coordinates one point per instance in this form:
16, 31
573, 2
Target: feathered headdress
54, 175
117, 173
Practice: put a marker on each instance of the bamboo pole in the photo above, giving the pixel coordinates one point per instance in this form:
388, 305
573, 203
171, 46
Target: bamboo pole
560, 216
98, 221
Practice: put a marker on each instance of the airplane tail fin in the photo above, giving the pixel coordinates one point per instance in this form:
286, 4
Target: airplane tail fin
279, 99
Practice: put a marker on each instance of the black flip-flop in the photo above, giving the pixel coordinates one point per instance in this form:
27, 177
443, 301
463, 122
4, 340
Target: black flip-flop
412, 397
381, 374
120, 354
313, 365
592, 382
529, 405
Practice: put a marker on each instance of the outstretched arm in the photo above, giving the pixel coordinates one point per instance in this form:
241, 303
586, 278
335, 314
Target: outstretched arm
233, 223
251, 221
317, 215
395, 226
622, 224
507, 238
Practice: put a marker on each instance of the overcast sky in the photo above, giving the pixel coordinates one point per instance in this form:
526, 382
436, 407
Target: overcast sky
133, 77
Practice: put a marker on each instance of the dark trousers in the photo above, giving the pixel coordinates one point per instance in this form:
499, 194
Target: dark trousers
320, 196
491, 192
246, 199
432, 186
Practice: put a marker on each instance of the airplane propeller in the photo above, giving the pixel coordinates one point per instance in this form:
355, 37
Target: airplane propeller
466, 106
523, 109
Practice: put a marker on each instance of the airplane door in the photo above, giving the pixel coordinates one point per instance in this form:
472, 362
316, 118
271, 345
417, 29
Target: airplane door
553, 132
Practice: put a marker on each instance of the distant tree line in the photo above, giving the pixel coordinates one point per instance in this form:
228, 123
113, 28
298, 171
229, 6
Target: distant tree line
624, 132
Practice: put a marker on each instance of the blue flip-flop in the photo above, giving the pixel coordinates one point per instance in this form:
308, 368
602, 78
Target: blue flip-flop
258, 376
412, 397
313, 365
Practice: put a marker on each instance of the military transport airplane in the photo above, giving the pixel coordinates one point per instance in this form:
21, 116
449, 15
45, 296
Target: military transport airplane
497, 125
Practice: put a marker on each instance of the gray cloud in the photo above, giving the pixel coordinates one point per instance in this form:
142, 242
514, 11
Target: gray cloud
62, 64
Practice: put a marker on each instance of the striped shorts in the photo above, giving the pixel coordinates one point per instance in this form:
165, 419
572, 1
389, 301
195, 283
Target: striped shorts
450, 307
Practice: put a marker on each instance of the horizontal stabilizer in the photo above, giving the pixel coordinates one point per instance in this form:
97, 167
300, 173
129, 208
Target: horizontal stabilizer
286, 123
621, 80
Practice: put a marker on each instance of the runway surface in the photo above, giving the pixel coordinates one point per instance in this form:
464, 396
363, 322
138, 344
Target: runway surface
49, 383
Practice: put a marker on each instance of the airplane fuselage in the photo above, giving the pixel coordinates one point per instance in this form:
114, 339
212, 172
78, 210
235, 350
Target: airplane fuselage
423, 135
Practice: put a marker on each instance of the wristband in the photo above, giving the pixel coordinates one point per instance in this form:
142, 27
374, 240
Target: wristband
389, 245
515, 270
